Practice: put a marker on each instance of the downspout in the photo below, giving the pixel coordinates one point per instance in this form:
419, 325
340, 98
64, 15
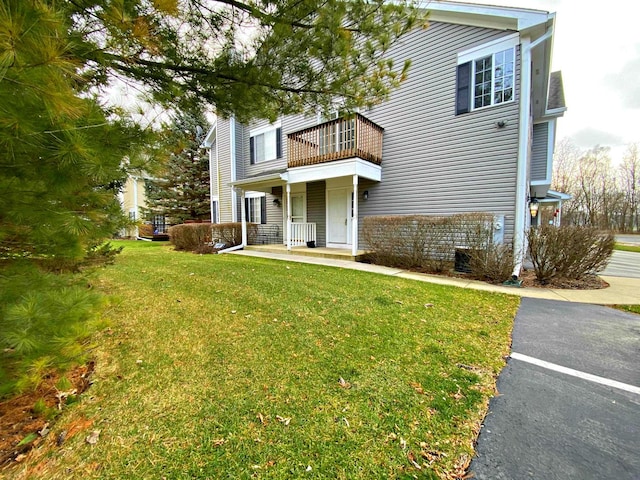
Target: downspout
243, 242
519, 228
234, 172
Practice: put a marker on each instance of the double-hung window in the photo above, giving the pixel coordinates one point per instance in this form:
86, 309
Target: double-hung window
486, 75
265, 144
256, 207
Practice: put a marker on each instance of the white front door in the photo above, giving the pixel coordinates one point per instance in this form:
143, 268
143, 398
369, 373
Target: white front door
338, 216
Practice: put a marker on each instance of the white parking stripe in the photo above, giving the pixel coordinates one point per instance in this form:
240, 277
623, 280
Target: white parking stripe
576, 373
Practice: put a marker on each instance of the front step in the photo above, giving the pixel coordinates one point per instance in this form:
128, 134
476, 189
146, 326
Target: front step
318, 252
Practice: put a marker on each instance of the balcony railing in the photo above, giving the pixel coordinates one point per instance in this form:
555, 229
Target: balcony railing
347, 137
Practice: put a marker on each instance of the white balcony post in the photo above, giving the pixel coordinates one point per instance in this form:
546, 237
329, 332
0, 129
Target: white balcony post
288, 216
354, 220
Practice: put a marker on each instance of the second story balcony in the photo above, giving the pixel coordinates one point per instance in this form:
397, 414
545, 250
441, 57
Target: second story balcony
339, 139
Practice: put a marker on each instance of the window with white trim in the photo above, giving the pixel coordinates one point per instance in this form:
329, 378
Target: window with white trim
493, 79
265, 144
486, 75
256, 208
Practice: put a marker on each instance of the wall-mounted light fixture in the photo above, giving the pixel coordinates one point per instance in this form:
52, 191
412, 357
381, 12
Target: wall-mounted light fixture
365, 195
276, 202
501, 123
533, 207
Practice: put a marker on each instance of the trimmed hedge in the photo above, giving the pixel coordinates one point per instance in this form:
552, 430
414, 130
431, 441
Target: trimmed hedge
569, 252
196, 237
428, 243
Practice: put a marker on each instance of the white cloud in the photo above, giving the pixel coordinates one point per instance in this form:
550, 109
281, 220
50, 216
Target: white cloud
626, 83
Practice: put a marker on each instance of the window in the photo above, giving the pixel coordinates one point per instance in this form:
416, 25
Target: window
256, 208
486, 75
493, 79
265, 145
297, 208
214, 211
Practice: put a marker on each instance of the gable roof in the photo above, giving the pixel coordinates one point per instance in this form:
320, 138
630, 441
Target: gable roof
556, 92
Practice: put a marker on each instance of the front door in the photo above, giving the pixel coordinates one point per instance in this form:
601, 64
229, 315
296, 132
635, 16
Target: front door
338, 216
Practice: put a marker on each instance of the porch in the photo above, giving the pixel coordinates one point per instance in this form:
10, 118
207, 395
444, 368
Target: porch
318, 193
319, 252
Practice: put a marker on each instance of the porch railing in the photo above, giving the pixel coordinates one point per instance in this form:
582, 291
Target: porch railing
346, 137
301, 233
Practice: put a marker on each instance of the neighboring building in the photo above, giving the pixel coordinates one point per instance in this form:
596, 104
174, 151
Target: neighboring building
133, 200
471, 130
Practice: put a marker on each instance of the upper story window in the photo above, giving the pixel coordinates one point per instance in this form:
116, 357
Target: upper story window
486, 75
265, 144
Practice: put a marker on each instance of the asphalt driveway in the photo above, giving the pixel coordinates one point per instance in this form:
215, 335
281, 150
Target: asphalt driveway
569, 398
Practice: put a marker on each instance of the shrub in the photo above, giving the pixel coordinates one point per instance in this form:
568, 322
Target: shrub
190, 236
494, 263
428, 243
195, 237
569, 252
145, 230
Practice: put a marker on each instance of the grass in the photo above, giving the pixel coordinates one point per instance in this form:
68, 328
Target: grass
626, 248
222, 366
629, 308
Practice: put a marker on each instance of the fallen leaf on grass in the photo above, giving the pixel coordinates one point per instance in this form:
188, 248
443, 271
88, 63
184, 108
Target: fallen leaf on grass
412, 459
218, 441
417, 387
343, 383
284, 420
428, 305
261, 418
93, 437
403, 443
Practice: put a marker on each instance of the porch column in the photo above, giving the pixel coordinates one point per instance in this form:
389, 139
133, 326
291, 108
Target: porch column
288, 217
558, 219
243, 218
354, 220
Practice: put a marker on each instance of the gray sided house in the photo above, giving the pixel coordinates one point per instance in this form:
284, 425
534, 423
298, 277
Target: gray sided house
471, 130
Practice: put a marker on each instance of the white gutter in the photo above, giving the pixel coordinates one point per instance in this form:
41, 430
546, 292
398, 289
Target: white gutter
520, 223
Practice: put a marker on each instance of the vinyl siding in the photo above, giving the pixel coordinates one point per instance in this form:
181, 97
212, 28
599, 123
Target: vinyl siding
539, 151
213, 172
316, 210
224, 161
435, 162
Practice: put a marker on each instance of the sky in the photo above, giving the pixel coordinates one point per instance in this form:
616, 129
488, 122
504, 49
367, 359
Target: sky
597, 48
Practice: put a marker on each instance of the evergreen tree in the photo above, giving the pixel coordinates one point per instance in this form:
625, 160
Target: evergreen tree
182, 190
62, 151
60, 164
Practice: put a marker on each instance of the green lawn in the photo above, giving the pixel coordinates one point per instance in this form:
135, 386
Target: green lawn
222, 366
626, 248
629, 308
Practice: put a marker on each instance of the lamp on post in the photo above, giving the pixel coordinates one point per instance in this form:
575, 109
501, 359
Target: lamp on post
533, 207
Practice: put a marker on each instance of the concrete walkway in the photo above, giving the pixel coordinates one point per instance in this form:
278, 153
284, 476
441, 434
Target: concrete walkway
621, 291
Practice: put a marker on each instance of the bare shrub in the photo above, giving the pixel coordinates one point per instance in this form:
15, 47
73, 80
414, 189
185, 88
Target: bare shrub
195, 236
569, 252
428, 242
190, 236
494, 263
